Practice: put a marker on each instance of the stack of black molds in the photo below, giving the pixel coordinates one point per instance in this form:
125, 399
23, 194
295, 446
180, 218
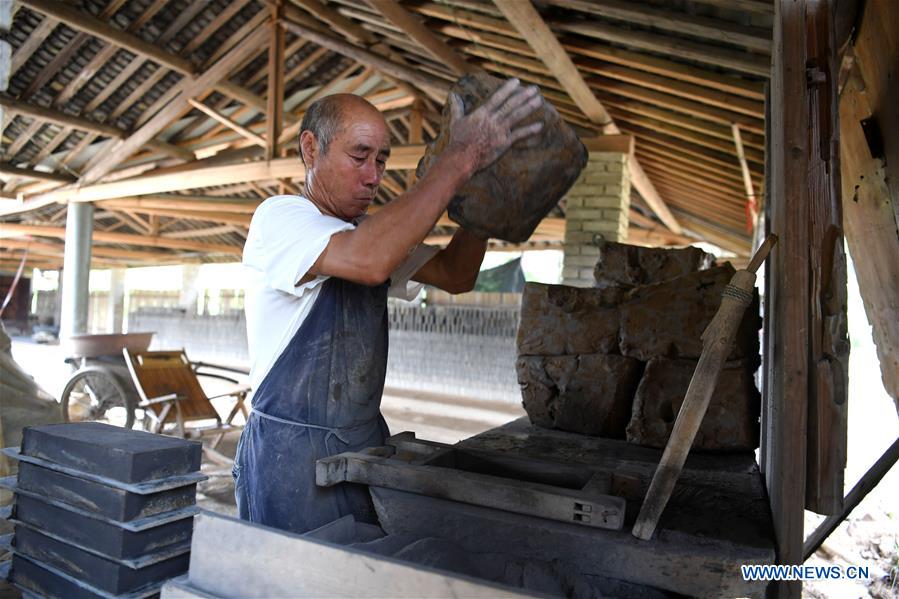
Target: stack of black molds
101, 511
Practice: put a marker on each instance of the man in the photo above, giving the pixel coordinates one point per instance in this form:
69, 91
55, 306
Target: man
317, 307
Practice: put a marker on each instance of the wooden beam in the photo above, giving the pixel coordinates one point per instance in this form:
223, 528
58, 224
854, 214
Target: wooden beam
185, 202
274, 110
655, 17
784, 442
82, 124
416, 30
194, 233
188, 88
747, 178
15, 229
28, 173
337, 22
482, 30
33, 42
735, 60
870, 180
525, 18
197, 176
234, 126
380, 63
98, 28
231, 218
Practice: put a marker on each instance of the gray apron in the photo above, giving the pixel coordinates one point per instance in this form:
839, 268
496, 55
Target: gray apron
321, 397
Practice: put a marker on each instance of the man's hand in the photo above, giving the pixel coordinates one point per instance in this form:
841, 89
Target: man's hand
489, 131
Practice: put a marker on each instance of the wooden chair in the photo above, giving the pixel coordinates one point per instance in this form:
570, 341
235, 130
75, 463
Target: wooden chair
171, 394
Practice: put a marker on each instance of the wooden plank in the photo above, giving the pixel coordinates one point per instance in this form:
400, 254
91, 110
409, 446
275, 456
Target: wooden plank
751, 199
666, 68
86, 74
416, 30
865, 485
870, 191
32, 43
380, 63
8, 169
525, 18
234, 126
586, 506
742, 62
290, 565
186, 89
230, 218
15, 229
484, 31
198, 175
719, 30
186, 202
206, 232
274, 110
787, 308
102, 30
337, 22
66, 120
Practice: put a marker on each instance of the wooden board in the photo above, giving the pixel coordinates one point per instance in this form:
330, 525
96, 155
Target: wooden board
523, 486
288, 565
717, 519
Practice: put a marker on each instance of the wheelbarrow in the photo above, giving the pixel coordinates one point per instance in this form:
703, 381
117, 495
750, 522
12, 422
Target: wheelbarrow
100, 388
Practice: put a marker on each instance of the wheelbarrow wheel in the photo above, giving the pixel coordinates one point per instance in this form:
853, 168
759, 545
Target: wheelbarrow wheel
94, 394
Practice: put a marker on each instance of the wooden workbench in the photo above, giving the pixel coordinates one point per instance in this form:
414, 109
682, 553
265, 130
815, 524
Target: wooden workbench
718, 517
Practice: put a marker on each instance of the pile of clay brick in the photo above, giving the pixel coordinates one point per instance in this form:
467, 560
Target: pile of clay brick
615, 360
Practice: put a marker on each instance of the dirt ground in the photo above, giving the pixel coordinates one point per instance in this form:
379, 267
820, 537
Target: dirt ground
869, 537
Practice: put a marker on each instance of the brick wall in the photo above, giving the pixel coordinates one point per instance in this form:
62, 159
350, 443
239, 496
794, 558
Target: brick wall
597, 204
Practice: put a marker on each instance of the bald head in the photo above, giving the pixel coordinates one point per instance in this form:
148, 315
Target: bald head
329, 115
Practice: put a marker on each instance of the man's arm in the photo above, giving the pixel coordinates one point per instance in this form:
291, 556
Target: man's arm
369, 253
455, 268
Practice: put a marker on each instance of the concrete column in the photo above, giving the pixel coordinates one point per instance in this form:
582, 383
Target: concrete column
190, 288
76, 269
596, 206
115, 313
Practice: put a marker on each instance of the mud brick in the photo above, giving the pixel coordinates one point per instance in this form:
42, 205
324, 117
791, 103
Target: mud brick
561, 320
732, 419
667, 319
111, 502
510, 197
588, 394
104, 574
112, 451
102, 537
630, 265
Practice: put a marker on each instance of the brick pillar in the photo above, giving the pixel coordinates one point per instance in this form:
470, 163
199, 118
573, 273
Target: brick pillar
596, 205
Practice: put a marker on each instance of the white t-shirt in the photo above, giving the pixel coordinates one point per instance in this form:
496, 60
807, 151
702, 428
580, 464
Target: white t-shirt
286, 237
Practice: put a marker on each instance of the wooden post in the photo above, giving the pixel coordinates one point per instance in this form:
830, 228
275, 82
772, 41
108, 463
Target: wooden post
829, 339
275, 100
803, 435
786, 348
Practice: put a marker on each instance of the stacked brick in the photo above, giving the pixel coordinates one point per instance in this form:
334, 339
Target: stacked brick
596, 208
615, 360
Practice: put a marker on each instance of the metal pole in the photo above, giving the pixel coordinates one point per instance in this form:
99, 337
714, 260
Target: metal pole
76, 269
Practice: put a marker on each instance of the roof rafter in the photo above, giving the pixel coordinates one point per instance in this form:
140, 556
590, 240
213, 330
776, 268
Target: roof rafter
398, 15
10, 229
187, 89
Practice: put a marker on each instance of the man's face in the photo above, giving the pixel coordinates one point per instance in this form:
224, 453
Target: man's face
347, 177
